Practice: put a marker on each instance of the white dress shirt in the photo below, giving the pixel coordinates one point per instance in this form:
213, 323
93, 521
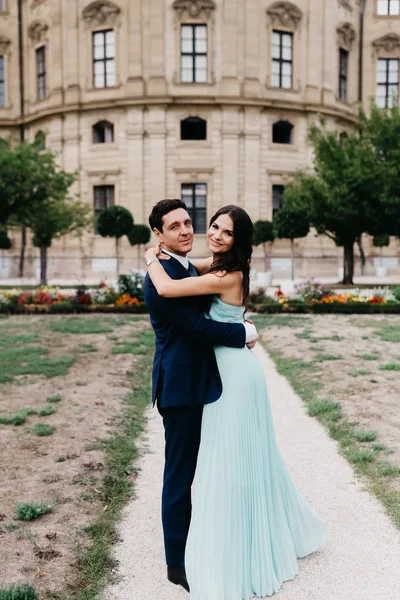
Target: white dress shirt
251, 331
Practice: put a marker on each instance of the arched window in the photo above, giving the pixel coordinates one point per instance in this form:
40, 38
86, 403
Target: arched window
40, 141
282, 133
342, 138
193, 128
103, 133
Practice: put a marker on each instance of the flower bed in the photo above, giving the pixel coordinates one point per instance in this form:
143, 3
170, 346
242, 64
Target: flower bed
313, 297
126, 297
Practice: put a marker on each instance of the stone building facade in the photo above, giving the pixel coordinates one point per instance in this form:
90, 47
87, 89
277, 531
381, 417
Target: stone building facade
204, 99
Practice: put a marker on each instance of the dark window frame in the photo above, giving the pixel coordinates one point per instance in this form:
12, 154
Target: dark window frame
389, 87
277, 193
282, 61
194, 54
99, 130
286, 129
199, 129
343, 73
2, 81
106, 195
195, 211
104, 61
41, 84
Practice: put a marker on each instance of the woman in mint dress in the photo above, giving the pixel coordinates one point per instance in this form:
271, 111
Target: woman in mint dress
249, 523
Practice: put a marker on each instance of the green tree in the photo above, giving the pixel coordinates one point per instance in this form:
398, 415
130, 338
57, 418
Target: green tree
263, 233
28, 178
115, 221
139, 236
346, 196
55, 219
380, 241
291, 223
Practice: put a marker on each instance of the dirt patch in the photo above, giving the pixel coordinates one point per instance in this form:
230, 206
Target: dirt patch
357, 361
63, 469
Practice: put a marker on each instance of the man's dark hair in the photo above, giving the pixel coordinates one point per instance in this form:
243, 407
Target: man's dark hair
161, 209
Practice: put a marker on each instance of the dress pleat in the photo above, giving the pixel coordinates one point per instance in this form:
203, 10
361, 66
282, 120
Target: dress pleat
249, 523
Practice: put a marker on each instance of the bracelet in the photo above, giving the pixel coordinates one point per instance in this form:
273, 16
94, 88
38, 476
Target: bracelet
151, 260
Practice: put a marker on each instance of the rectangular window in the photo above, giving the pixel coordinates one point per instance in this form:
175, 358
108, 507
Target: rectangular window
103, 198
277, 193
104, 59
282, 59
194, 67
387, 87
389, 7
41, 73
2, 82
343, 66
194, 195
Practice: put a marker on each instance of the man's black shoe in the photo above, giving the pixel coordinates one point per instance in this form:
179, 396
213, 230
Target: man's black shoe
177, 575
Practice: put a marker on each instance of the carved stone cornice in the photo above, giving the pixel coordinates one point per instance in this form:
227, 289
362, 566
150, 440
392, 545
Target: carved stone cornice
387, 45
37, 31
345, 4
346, 35
194, 8
285, 14
101, 12
4, 44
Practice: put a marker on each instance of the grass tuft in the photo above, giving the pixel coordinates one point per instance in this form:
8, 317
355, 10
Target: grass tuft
20, 591
324, 357
54, 398
365, 436
43, 429
388, 470
78, 326
360, 456
28, 511
18, 418
390, 367
374, 356
45, 412
331, 410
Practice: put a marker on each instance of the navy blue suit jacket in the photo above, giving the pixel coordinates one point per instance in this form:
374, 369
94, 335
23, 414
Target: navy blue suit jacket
185, 370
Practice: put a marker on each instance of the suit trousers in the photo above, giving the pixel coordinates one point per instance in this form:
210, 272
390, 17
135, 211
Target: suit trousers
182, 427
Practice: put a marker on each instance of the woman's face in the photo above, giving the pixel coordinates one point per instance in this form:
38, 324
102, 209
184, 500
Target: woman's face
220, 235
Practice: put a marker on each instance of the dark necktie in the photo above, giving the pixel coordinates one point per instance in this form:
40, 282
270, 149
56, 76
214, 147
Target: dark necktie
192, 271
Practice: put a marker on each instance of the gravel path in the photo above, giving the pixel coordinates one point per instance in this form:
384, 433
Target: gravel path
362, 559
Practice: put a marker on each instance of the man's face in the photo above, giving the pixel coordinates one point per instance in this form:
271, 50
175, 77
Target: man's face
177, 233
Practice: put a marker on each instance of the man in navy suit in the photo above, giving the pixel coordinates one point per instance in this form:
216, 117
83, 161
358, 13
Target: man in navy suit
185, 375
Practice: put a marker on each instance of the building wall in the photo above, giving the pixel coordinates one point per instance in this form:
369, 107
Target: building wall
147, 160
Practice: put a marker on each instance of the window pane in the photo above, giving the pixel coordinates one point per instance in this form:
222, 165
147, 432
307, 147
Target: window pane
187, 195
287, 53
98, 52
187, 75
110, 51
201, 75
276, 51
382, 7
275, 80
393, 77
99, 68
187, 62
110, 37
201, 32
201, 62
286, 82
276, 39
394, 7
110, 67
200, 221
287, 40
187, 45
286, 68
99, 81
110, 79
276, 68
187, 32
201, 46
393, 66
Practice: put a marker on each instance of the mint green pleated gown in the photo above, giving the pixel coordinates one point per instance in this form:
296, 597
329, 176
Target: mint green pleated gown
249, 522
